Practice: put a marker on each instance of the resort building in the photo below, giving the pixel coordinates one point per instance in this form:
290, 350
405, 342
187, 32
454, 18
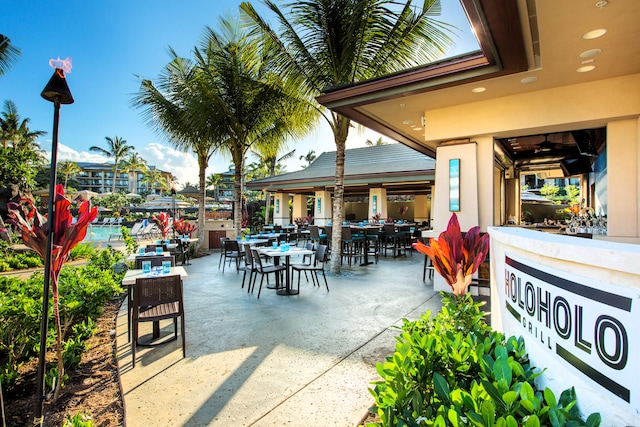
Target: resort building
99, 177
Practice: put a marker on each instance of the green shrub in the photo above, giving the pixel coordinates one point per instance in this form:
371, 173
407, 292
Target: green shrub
83, 292
454, 370
22, 260
81, 250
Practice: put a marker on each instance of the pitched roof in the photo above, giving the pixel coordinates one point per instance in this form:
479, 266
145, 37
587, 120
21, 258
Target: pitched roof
363, 166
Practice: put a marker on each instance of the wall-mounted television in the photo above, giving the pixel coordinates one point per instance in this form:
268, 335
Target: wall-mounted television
575, 166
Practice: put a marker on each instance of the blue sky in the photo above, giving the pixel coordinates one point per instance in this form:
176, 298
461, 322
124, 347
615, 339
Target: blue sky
112, 42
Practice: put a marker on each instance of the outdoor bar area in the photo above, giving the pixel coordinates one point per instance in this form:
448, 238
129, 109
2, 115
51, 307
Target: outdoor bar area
533, 100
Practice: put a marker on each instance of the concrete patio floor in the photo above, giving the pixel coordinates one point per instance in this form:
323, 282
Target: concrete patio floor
307, 359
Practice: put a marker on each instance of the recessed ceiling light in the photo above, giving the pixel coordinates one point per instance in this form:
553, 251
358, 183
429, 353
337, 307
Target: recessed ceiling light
586, 68
594, 34
528, 79
588, 61
590, 53
602, 3
417, 128
407, 122
478, 89
401, 105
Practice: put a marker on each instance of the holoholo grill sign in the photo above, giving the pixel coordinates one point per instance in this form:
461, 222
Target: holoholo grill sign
590, 327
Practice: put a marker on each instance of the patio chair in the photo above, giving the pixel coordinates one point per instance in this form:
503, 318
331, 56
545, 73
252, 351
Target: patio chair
321, 258
155, 299
156, 261
232, 251
264, 270
352, 245
248, 265
316, 236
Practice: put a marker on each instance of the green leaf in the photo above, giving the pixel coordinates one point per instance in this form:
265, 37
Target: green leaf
511, 421
528, 405
532, 421
495, 395
526, 392
476, 419
441, 386
502, 370
454, 417
509, 397
488, 412
439, 422
594, 420
549, 397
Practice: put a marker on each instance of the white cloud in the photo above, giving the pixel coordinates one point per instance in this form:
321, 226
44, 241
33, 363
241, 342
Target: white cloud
184, 166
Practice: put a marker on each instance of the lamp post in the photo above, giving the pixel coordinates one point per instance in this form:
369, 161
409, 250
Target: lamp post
56, 91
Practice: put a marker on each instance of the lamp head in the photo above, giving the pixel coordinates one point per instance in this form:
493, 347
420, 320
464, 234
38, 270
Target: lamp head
57, 88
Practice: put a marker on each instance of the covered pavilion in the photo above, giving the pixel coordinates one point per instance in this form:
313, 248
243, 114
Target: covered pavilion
553, 90
373, 174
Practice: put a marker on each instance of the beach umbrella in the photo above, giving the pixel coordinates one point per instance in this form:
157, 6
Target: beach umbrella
132, 195
86, 194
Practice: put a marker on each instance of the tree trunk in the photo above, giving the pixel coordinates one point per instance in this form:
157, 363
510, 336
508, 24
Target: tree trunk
341, 131
237, 197
202, 164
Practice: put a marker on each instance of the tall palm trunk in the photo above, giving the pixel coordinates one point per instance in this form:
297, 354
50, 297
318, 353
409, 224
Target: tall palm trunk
237, 197
202, 166
341, 131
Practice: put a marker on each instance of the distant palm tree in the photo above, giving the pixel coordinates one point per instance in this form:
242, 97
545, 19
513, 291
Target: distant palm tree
378, 142
213, 181
118, 150
329, 43
131, 166
309, 157
15, 131
68, 169
154, 179
268, 156
8, 54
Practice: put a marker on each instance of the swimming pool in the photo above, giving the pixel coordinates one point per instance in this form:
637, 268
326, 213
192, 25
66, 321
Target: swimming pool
102, 232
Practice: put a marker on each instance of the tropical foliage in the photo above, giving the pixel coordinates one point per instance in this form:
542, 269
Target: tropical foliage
331, 43
455, 257
8, 54
65, 235
454, 370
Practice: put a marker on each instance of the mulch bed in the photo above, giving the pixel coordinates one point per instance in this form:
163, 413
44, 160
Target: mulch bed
93, 389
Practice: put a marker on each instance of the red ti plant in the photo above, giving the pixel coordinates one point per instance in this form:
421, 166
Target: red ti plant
455, 258
163, 222
183, 228
65, 236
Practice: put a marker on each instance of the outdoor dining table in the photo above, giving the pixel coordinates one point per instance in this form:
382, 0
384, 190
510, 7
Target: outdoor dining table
276, 254
129, 280
364, 228
132, 257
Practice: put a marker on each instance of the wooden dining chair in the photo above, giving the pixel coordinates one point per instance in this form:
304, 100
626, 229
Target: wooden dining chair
155, 299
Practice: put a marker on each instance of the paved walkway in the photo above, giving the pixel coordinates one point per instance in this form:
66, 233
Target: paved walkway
297, 360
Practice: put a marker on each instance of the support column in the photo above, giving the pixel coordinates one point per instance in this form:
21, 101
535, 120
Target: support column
281, 209
299, 206
377, 203
322, 208
421, 208
619, 184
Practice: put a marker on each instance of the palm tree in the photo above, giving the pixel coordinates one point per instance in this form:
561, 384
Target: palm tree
132, 165
8, 54
169, 107
326, 43
154, 179
118, 150
68, 169
268, 156
252, 106
15, 131
378, 142
213, 181
309, 157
